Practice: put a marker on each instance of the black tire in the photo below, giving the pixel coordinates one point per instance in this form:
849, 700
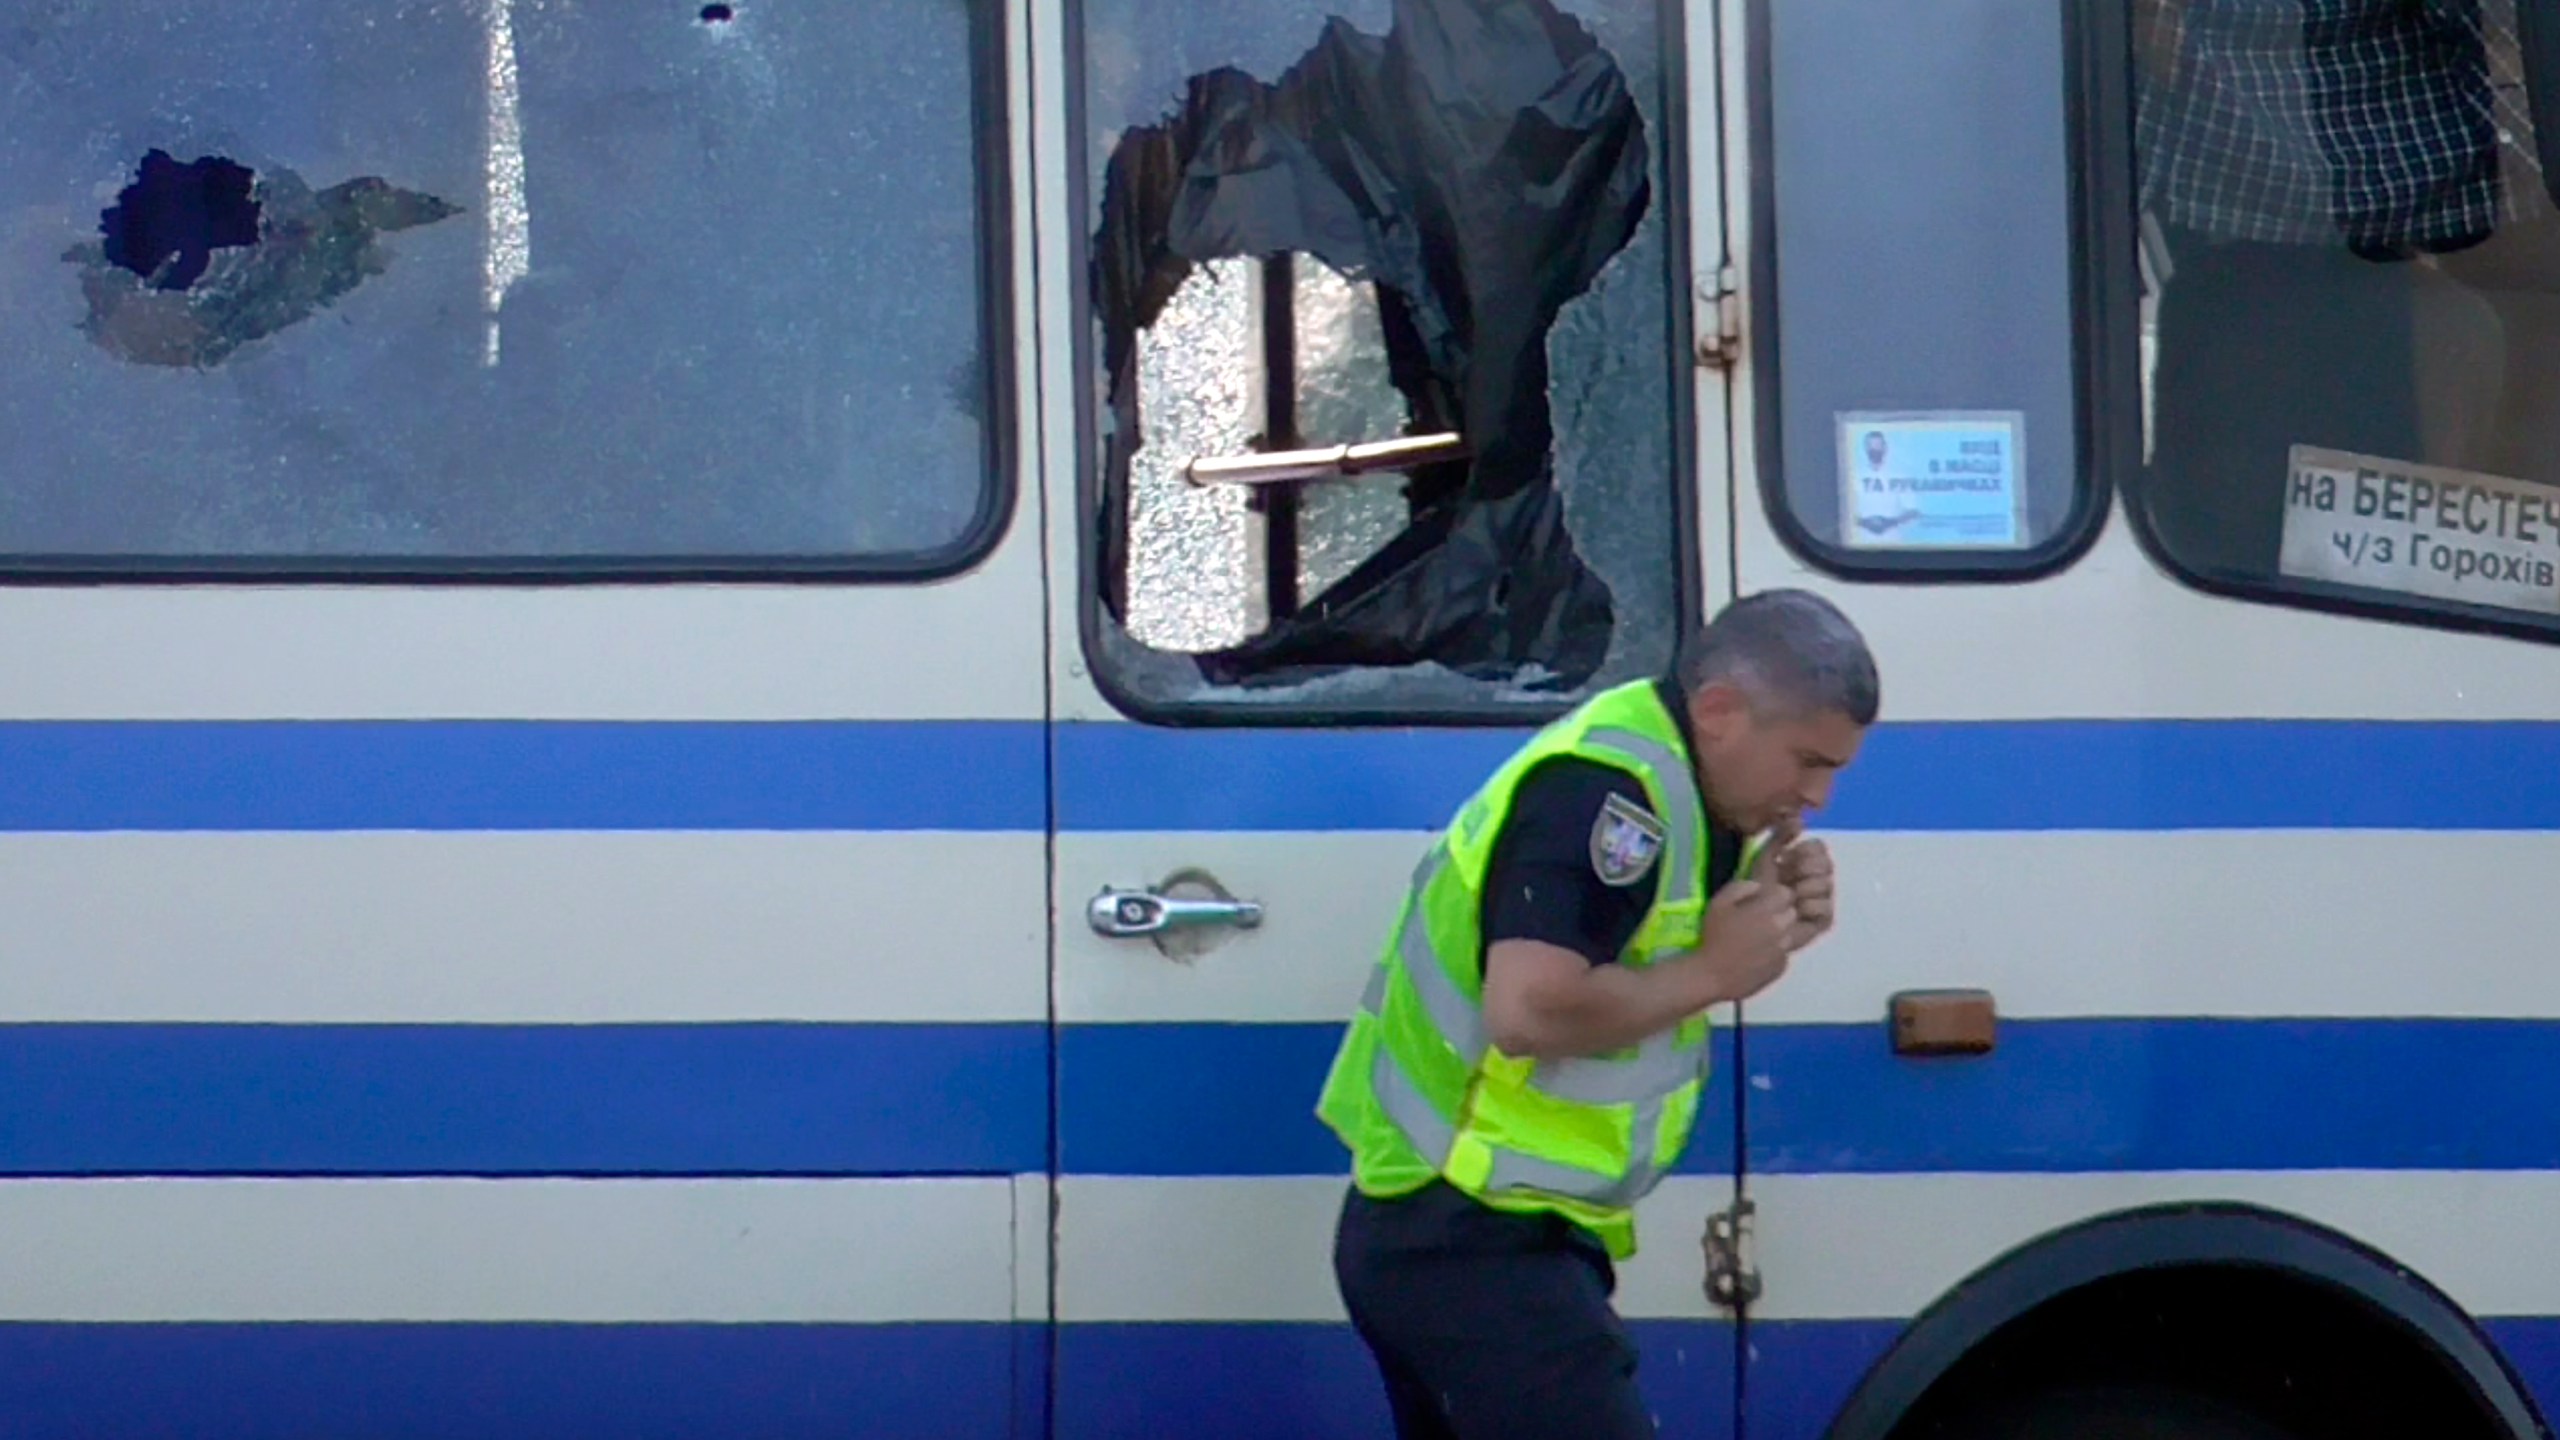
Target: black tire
2115, 1412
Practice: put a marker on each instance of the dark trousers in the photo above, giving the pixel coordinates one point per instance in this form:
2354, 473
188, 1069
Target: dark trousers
1487, 1326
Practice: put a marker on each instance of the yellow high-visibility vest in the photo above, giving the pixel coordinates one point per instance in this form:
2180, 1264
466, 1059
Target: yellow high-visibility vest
1417, 1090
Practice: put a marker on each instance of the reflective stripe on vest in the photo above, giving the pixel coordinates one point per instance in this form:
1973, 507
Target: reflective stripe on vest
1435, 1135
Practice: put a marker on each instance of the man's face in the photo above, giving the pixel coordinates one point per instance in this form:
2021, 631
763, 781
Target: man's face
1758, 769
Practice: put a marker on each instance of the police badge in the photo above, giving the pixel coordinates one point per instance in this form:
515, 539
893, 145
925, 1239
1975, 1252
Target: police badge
1625, 841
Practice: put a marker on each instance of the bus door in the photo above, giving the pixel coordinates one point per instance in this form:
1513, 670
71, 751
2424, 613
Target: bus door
1373, 442
523, 831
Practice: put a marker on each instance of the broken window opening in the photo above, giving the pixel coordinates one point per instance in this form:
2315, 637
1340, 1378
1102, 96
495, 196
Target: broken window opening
1249, 357
1475, 173
166, 225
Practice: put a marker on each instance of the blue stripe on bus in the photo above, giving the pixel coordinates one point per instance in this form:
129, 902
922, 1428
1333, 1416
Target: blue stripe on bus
981, 776
2056, 1095
1134, 777
1187, 1099
969, 1382
528, 775
1236, 1100
2004, 775
1316, 1382
714, 1099
2162, 1094
1803, 1371
519, 1381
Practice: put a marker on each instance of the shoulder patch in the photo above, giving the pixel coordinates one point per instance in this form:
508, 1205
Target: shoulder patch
1626, 839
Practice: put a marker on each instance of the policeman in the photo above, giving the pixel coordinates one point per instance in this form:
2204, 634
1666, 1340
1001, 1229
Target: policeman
1527, 1061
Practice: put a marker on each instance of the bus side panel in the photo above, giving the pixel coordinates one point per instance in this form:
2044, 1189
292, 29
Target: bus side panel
473, 1007
490, 1075
2248, 885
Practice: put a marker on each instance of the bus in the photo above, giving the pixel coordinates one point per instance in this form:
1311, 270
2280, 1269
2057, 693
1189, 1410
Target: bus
711, 710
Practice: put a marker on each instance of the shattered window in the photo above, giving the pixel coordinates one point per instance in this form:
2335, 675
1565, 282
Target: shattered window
453, 285
1390, 379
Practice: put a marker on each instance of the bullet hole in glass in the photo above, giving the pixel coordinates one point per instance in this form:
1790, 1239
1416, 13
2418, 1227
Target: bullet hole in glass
166, 225
159, 294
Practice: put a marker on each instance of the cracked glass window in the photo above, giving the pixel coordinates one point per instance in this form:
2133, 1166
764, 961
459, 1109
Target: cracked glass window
1432, 232
1211, 564
1344, 396
509, 284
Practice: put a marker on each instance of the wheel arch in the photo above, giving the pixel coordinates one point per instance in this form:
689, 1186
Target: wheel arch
2210, 1237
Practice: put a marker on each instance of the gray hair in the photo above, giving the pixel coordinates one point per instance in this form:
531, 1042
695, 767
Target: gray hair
1787, 649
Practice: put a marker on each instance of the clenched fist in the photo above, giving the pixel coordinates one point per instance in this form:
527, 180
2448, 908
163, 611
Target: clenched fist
1803, 867
1746, 934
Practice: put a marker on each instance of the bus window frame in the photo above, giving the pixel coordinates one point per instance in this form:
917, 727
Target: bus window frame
999, 489
2105, 330
2275, 588
1688, 585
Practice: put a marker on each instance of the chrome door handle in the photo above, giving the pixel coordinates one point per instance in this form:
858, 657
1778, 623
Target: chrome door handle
1128, 914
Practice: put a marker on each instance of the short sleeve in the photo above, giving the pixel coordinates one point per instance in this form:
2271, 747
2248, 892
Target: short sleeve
1574, 860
